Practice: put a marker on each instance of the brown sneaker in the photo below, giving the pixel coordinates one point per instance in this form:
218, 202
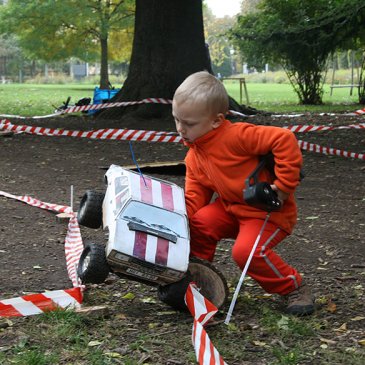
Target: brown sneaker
300, 301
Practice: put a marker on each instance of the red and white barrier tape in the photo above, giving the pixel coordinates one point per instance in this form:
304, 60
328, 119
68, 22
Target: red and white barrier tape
113, 134
360, 112
312, 147
38, 303
76, 109
154, 136
202, 310
29, 305
84, 108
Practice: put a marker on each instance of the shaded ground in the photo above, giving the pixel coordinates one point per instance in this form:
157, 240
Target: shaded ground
328, 244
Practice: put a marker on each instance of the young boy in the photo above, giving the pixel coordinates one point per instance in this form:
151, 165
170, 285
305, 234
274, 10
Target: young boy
221, 156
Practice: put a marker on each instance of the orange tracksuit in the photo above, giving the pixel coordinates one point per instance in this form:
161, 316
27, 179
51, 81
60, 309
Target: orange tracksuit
219, 162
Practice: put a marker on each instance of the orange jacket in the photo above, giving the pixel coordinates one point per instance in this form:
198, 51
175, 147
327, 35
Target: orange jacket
221, 160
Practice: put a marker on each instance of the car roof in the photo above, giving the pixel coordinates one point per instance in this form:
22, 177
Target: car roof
146, 189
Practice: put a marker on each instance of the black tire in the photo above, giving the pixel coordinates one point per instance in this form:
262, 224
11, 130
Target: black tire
211, 282
93, 267
90, 213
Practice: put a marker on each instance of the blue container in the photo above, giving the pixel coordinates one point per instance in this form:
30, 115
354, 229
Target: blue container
102, 96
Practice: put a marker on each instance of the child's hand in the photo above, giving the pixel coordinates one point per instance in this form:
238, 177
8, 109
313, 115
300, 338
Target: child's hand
281, 194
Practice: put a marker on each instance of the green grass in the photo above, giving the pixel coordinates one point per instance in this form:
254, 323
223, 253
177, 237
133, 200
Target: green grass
36, 99
281, 98
30, 100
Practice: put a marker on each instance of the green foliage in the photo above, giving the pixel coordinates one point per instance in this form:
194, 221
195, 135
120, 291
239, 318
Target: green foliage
299, 35
57, 30
286, 357
286, 326
216, 35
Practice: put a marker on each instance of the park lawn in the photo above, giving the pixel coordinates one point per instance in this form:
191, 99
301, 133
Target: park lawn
279, 98
37, 99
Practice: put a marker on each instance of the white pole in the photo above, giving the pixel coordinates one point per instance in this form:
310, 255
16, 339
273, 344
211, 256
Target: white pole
72, 198
238, 287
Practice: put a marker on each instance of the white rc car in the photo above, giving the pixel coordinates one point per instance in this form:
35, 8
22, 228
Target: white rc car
148, 238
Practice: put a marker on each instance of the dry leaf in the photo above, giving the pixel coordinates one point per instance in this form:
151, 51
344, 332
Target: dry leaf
329, 342
361, 342
342, 328
112, 354
149, 300
331, 307
94, 343
259, 343
357, 318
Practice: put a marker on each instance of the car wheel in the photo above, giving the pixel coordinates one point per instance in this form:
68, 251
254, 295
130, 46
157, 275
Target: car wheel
93, 267
90, 211
210, 281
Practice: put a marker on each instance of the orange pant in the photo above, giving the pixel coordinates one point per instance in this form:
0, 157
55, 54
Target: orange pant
212, 223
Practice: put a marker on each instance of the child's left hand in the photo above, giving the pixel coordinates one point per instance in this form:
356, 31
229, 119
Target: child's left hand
281, 194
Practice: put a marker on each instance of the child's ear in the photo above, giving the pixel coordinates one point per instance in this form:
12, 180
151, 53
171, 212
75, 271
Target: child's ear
219, 119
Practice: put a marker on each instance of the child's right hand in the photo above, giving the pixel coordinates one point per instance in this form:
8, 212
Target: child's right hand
281, 194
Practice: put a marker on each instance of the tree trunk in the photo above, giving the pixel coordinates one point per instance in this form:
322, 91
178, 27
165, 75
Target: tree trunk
168, 46
104, 74
361, 88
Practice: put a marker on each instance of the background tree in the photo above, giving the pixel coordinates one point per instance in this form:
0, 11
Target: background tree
168, 46
300, 35
56, 30
220, 46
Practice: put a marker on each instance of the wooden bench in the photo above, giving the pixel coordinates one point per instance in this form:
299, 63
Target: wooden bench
351, 86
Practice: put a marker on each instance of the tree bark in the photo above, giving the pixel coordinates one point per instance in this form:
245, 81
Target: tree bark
104, 74
168, 46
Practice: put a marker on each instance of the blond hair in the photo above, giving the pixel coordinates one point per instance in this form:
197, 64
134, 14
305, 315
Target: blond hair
202, 87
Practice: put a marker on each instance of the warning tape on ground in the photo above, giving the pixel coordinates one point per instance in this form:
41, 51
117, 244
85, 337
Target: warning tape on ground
202, 310
154, 136
96, 107
39, 303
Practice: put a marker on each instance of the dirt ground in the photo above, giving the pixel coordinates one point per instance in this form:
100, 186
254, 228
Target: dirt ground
327, 246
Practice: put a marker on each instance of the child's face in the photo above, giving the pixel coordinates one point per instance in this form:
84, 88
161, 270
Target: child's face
193, 120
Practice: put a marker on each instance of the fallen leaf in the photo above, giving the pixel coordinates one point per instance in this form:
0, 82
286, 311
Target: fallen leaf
149, 300
342, 328
112, 354
331, 307
327, 341
324, 346
232, 327
121, 316
361, 342
128, 296
357, 318
94, 343
283, 323
259, 343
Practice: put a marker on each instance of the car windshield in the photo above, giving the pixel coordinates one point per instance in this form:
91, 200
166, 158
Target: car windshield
156, 218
